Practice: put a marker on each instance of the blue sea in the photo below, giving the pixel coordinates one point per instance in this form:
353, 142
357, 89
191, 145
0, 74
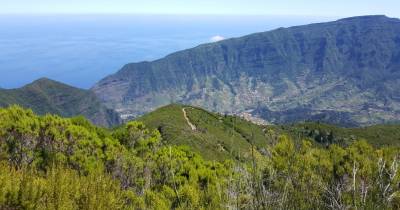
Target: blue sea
81, 49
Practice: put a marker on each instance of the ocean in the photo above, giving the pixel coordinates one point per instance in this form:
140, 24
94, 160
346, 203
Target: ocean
81, 49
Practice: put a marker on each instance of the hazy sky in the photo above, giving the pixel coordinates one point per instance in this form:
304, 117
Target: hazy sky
238, 7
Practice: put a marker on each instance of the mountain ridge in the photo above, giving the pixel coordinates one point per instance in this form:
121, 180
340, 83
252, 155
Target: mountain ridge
345, 72
49, 96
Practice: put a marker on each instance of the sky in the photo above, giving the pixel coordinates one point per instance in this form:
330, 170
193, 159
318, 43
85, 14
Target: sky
200, 7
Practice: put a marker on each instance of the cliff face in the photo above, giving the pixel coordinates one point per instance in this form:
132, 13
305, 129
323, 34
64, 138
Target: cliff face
345, 72
48, 96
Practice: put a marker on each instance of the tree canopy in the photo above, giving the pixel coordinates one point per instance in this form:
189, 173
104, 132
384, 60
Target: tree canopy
49, 162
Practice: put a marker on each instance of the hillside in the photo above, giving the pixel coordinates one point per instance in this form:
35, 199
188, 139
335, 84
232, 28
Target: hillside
214, 136
48, 96
345, 72
218, 137
325, 134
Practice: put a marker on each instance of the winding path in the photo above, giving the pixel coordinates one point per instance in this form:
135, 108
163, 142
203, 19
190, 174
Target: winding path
193, 127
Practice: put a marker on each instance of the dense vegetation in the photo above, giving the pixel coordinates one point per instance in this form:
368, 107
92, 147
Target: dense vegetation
377, 135
49, 162
217, 137
47, 96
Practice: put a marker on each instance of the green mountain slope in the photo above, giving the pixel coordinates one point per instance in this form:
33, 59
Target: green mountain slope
218, 137
344, 72
377, 135
48, 96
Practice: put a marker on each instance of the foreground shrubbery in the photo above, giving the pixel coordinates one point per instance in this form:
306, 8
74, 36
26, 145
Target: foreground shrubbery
55, 163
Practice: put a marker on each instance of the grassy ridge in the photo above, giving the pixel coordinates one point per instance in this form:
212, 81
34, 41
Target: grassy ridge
219, 137
216, 136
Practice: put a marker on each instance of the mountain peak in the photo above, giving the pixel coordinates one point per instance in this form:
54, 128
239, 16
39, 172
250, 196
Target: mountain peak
368, 18
42, 81
45, 82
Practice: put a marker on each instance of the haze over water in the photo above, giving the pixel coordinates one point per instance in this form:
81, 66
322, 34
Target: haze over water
81, 49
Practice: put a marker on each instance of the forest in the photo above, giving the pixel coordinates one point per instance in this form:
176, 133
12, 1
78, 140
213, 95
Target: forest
50, 162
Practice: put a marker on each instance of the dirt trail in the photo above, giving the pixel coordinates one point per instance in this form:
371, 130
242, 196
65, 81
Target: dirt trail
193, 127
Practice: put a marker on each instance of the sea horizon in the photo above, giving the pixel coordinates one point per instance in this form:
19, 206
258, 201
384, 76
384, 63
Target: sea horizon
80, 49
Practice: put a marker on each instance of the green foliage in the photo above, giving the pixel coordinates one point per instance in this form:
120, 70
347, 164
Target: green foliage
216, 137
56, 163
50, 162
59, 188
324, 134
